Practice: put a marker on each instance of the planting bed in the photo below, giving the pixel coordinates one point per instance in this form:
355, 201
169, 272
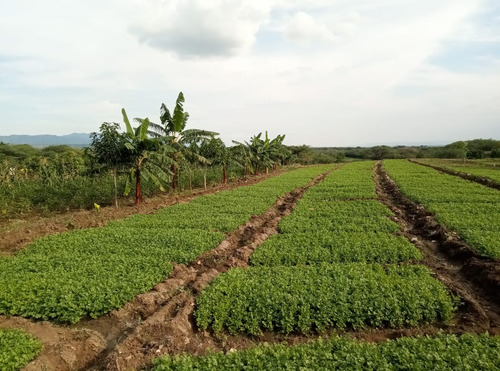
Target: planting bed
468, 208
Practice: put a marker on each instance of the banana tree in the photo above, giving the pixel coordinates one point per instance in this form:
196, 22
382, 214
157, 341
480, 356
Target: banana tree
151, 157
173, 127
262, 153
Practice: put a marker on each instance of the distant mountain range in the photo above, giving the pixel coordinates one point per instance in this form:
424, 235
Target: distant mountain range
73, 140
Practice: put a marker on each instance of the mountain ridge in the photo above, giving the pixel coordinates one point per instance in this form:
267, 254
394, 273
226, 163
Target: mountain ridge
73, 139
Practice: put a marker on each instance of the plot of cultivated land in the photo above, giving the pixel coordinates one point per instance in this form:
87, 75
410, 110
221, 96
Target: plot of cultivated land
468, 208
446, 352
90, 272
287, 299
479, 169
317, 297
17, 349
324, 227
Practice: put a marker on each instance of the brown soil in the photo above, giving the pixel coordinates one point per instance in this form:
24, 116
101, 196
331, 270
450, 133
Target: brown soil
17, 233
472, 277
63, 348
474, 178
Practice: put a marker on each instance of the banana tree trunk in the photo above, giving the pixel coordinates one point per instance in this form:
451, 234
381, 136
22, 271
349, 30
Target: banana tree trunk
224, 177
138, 194
205, 179
116, 187
175, 171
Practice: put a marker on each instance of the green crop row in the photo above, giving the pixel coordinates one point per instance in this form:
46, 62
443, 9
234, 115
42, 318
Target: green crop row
314, 298
444, 352
90, 272
17, 349
472, 168
323, 228
314, 248
469, 208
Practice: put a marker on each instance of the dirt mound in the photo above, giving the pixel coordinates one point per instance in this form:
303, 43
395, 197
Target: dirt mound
63, 348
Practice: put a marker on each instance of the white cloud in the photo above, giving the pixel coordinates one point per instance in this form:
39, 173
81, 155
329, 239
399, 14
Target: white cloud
200, 28
302, 29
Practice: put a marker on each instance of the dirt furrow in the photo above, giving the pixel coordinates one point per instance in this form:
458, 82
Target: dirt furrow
473, 178
474, 278
161, 321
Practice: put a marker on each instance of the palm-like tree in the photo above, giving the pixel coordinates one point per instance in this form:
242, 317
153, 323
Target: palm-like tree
149, 157
262, 153
173, 127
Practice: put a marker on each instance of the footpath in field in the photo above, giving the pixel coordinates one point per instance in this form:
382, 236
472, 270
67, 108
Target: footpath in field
314, 276
142, 239
475, 171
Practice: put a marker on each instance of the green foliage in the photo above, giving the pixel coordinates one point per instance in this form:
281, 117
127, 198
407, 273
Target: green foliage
17, 349
314, 248
15, 153
323, 228
444, 352
466, 207
314, 298
90, 272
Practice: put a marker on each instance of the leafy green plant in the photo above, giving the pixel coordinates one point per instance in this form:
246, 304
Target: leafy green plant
314, 298
444, 352
17, 349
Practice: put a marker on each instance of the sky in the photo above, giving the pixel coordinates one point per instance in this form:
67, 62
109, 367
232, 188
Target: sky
322, 72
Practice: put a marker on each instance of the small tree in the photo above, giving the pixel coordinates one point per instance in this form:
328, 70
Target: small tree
216, 151
172, 128
151, 157
108, 149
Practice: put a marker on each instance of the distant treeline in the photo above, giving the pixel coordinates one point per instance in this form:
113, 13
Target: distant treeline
305, 155
471, 149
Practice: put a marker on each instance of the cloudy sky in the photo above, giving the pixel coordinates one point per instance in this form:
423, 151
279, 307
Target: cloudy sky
323, 72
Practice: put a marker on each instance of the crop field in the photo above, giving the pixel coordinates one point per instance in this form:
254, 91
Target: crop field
486, 169
468, 208
336, 275
91, 272
446, 352
317, 297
